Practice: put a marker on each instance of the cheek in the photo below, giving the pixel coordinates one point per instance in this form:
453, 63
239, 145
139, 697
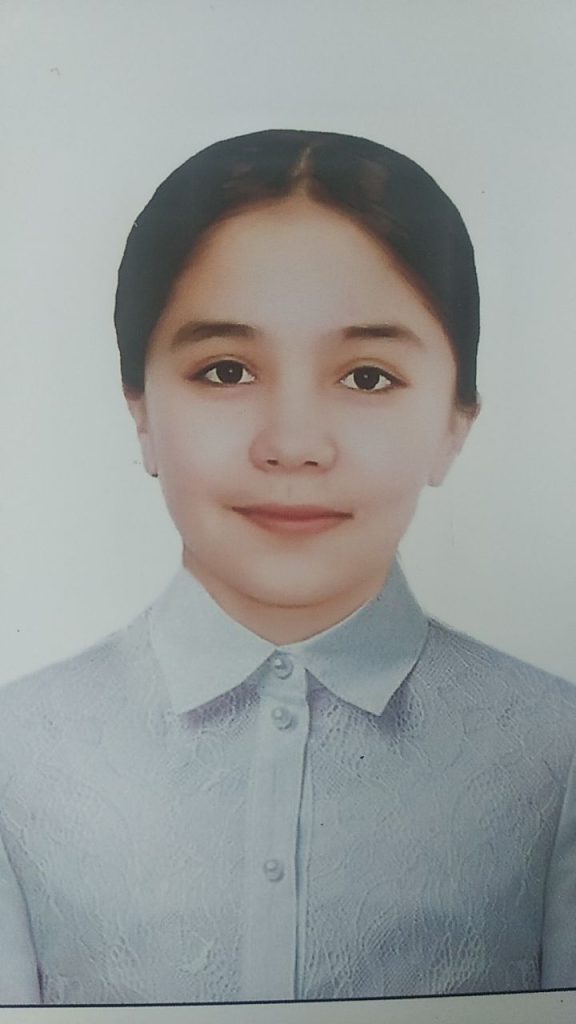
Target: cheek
196, 454
394, 456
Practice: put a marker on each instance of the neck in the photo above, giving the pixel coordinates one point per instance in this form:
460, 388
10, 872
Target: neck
286, 624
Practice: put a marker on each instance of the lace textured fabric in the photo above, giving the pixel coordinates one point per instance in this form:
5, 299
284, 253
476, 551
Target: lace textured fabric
236, 851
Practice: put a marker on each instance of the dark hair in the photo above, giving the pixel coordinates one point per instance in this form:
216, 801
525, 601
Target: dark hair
385, 192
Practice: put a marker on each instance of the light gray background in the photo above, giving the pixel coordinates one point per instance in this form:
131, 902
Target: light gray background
100, 101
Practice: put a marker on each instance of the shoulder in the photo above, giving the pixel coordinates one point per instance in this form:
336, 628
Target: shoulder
475, 672
504, 713
95, 682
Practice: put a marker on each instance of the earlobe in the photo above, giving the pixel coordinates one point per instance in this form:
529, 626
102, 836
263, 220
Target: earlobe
443, 463
139, 413
459, 429
148, 455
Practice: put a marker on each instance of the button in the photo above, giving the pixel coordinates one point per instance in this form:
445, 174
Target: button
282, 665
274, 870
282, 717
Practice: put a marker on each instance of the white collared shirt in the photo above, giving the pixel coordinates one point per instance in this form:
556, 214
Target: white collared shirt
193, 815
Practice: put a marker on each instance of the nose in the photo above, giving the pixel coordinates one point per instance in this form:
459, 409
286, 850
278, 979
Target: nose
293, 435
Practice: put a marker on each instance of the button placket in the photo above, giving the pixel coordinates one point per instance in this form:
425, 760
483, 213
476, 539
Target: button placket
275, 792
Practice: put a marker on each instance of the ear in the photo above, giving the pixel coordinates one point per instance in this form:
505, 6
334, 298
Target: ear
458, 429
138, 410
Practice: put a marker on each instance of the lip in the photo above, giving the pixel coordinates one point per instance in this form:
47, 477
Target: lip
293, 518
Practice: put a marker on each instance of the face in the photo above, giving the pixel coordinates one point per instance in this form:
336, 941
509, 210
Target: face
299, 395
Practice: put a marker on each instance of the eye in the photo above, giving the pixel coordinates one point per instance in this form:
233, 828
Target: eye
368, 378
226, 371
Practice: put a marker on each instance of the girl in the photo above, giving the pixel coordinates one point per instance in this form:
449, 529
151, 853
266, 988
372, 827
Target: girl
282, 780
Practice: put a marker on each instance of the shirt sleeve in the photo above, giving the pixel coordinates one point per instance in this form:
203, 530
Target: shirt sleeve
559, 932
18, 968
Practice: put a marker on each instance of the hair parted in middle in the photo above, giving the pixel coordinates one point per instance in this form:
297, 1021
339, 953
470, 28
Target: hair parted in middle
389, 195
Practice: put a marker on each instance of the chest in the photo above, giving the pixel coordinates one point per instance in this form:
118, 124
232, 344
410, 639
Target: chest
280, 849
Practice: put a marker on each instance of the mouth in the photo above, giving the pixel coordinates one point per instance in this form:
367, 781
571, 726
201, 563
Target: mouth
293, 518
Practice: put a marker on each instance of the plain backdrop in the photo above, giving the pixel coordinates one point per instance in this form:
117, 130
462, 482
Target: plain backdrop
100, 100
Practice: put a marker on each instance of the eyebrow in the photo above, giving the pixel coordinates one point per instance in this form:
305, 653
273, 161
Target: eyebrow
201, 330
391, 332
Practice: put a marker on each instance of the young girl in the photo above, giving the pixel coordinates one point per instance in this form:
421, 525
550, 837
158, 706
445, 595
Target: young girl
283, 781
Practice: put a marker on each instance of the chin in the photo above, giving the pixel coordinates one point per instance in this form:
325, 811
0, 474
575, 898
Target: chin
291, 590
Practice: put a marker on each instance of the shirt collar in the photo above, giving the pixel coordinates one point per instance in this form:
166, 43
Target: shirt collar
204, 653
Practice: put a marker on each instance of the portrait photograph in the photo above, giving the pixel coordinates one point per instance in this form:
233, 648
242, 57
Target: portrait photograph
288, 598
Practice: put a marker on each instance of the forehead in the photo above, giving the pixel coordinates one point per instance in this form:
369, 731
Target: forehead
296, 263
